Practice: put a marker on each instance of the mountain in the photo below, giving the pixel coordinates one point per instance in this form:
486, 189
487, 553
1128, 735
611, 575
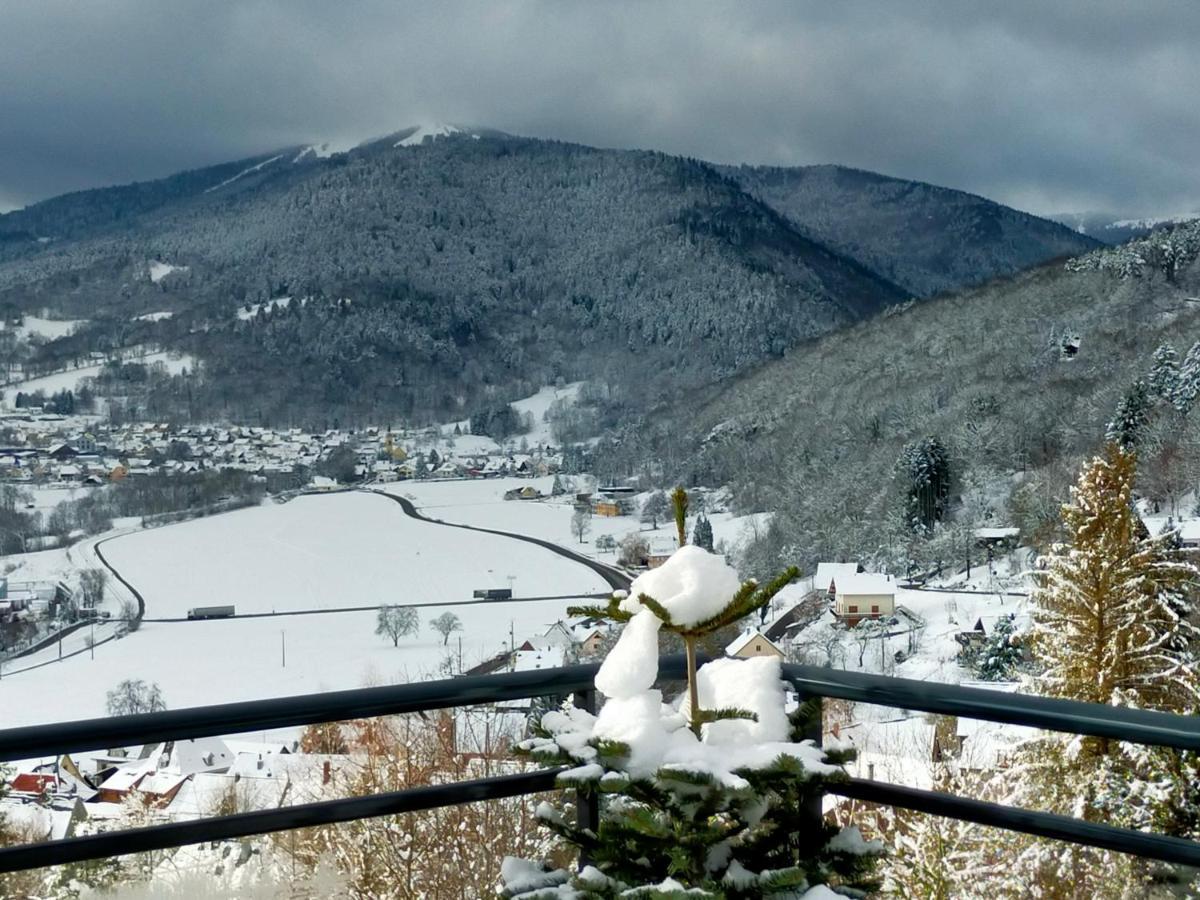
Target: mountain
1016, 379
441, 269
925, 238
1112, 229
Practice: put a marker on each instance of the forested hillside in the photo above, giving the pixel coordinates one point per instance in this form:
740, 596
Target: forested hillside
925, 238
1014, 382
428, 277
438, 278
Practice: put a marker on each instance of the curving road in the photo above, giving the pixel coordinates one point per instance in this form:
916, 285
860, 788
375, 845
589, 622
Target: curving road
616, 579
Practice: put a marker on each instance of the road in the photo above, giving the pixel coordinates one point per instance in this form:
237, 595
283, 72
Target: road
616, 579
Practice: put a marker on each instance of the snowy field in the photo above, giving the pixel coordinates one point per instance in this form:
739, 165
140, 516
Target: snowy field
481, 503
72, 378
348, 549
535, 407
45, 328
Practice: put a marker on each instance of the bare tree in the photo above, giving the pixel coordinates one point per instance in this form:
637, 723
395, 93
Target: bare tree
129, 615
134, 696
606, 543
92, 583
655, 507
444, 624
396, 622
581, 523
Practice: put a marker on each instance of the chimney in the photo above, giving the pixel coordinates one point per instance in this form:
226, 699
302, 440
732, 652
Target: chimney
325, 772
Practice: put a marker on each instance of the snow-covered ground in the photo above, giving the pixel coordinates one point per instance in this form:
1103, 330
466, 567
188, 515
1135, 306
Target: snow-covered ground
160, 270
428, 131
270, 306
72, 378
46, 328
154, 316
347, 549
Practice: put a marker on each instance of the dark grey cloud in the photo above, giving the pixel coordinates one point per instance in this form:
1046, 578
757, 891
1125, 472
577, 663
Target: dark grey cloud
1070, 105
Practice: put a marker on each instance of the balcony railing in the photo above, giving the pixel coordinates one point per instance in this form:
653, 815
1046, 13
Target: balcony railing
1136, 726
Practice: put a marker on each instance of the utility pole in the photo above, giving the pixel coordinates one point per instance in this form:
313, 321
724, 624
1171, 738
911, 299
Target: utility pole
92, 639
282, 650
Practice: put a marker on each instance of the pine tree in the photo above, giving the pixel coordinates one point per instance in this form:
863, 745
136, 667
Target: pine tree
1001, 655
1132, 417
926, 466
1111, 625
1187, 385
1163, 379
709, 798
702, 534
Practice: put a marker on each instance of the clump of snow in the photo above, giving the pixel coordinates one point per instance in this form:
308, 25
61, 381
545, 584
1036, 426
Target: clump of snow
520, 875
693, 585
850, 840
753, 684
431, 131
154, 316
632, 665
160, 270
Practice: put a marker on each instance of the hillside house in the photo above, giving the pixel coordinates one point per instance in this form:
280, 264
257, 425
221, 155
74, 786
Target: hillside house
752, 644
827, 575
864, 595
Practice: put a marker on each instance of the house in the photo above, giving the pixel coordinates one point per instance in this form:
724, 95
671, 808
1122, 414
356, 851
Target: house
661, 549
864, 595
751, 644
606, 507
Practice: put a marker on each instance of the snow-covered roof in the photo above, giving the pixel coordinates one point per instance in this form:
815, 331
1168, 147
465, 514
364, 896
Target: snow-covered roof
828, 573
865, 583
739, 643
996, 534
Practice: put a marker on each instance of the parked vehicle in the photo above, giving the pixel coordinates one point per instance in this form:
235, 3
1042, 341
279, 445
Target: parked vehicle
493, 594
210, 612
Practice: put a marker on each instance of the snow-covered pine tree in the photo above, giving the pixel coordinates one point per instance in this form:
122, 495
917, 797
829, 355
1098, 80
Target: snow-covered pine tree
1163, 379
1131, 418
1001, 654
1187, 386
709, 797
702, 534
1111, 625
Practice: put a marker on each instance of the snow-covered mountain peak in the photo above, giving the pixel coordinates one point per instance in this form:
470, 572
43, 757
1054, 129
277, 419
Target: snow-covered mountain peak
326, 149
428, 131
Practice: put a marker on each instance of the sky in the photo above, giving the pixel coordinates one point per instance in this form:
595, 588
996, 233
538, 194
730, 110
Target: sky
1070, 105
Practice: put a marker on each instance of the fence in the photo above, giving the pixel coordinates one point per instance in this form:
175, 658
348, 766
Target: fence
1138, 726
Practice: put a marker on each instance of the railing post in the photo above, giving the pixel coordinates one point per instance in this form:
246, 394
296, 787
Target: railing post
587, 808
813, 731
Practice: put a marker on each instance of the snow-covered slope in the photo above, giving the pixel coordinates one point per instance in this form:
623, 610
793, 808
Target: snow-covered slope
315, 552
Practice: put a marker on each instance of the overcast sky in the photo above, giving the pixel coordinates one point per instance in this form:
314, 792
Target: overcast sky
1048, 105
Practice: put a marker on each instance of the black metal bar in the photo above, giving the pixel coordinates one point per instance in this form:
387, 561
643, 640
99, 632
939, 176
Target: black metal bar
813, 731
1048, 825
180, 834
587, 803
262, 715
1139, 726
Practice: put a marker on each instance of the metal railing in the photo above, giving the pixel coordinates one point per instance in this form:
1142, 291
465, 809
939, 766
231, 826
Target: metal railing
1137, 726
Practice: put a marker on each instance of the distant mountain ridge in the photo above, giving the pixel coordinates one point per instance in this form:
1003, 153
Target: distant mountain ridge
927, 239
447, 267
1113, 229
